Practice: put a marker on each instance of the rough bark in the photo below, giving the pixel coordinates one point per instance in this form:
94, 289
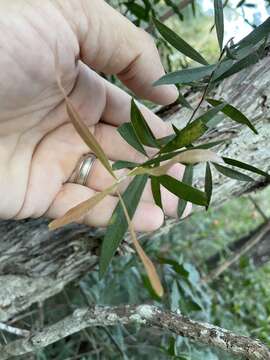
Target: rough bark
36, 264
145, 315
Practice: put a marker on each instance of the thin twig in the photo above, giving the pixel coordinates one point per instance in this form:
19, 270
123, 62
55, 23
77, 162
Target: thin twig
169, 13
205, 92
13, 330
254, 240
258, 208
145, 315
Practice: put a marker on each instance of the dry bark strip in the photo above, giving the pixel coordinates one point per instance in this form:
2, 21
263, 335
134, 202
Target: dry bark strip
145, 315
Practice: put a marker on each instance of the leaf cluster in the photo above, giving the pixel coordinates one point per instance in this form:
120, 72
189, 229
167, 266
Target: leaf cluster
180, 147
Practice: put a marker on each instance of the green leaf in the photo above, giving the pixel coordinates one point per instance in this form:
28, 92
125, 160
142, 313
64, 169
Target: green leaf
233, 174
155, 186
256, 35
209, 145
176, 265
209, 114
187, 179
149, 288
183, 191
219, 21
120, 164
118, 224
234, 114
208, 184
178, 43
183, 101
186, 76
142, 130
137, 10
127, 132
239, 65
245, 166
185, 136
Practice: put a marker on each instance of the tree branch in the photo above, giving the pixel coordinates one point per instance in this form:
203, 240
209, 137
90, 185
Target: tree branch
146, 315
253, 241
170, 13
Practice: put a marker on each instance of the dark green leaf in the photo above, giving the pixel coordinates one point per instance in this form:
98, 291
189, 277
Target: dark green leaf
183, 191
178, 43
219, 22
256, 35
239, 65
233, 174
234, 114
185, 136
141, 127
209, 145
186, 76
155, 186
118, 224
148, 286
245, 166
163, 141
127, 132
138, 11
120, 164
209, 114
183, 101
187, 179
208, 185
177, 266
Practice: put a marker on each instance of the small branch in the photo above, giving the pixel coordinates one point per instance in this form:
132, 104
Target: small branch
13, 330
254, 240
146, 315
258, 208
170, 13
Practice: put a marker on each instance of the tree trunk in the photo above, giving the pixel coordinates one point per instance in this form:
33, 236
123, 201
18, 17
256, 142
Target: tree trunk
35, 264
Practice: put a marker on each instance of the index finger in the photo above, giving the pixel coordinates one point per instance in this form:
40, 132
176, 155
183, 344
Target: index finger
110, 43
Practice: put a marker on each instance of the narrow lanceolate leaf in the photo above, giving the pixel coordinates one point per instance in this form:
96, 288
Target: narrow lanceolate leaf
234, 114
233, 174
155, 186
211, 113
219, 22
185, 157
239, 65
120, 164
208, 184
127, 132
118, 224
178, 43
148, 265
186, 136
210, 144
80, 126
186, 76
187, 179
142, 130
183, 191
245, 166
82, 209
256, 35
88, 137
183, 101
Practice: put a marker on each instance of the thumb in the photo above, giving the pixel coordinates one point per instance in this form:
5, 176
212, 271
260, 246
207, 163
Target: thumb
111, 44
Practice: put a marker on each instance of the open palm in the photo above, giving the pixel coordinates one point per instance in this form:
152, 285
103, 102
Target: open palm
39, 147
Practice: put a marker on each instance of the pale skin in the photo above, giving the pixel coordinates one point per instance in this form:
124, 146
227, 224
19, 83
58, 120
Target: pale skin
39, 147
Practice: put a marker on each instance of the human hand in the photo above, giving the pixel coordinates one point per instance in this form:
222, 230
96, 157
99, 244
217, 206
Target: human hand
39, 148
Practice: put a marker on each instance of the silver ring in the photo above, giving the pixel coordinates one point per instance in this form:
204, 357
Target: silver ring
82, 169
